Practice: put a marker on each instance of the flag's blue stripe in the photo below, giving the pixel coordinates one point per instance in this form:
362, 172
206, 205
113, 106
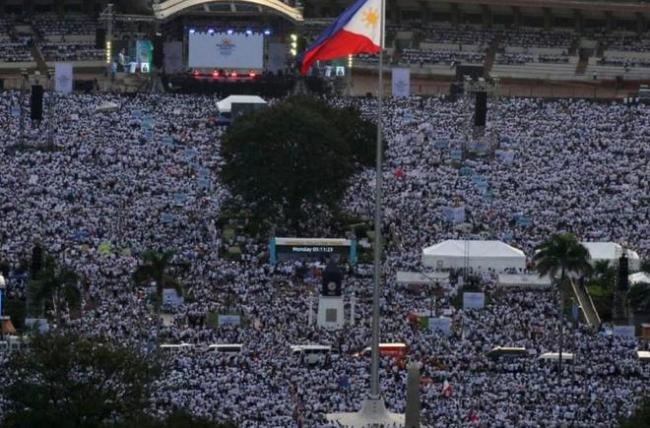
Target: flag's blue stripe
334, 27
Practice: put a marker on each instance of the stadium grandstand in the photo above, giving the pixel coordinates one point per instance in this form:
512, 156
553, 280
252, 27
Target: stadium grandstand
601, 44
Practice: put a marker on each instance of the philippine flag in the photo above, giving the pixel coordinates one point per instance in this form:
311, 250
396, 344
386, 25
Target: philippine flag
357, 30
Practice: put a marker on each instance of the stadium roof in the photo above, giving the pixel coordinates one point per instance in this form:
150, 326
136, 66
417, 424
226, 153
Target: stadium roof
169, 8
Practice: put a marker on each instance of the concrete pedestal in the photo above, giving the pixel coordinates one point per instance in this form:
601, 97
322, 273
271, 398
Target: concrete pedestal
373, 414
330, 312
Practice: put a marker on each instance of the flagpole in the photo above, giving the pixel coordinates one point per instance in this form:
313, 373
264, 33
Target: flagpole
374, 371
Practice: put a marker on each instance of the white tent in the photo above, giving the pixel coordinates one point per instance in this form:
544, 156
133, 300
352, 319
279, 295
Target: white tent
480, 255
639, 278
225, 105
611, 252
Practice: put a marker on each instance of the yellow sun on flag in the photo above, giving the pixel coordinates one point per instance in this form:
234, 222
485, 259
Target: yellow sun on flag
371, 17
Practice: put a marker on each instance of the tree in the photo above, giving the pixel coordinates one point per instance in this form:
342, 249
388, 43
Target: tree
182, 419
639, 297
156, 268
601, 287
54, 286
561, 255
291, 159
640, 418
71, 382
358, 133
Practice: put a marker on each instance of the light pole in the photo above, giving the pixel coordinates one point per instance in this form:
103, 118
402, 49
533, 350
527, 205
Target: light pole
310, 314
3, 285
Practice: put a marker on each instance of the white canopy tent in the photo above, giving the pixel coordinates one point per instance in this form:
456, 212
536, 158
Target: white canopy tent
611, 252
225, 105
639, 278
480, 256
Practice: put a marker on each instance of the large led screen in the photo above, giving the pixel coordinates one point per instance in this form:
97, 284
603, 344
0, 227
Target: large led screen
221, 50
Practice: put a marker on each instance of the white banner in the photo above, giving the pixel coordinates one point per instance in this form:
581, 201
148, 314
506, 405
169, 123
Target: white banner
623, 330
173, 57
441, 325
473, 300
63, 77
401, 82
229, 320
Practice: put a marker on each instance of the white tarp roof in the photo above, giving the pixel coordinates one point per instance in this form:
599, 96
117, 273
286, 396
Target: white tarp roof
526, 281
404, 277
639, 277
611, 251
482, 255
225, 105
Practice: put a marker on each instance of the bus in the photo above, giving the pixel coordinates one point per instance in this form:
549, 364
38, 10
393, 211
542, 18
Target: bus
396, 350
227, 348
507, 352
313, 354
175, 347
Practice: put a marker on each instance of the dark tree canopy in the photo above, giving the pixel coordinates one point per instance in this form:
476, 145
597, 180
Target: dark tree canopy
639, 297
297, 154
71, 382
67, 381
640, 418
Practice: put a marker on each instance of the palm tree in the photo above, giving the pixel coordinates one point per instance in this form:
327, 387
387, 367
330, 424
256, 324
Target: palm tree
155, 268
55, 284
558, 257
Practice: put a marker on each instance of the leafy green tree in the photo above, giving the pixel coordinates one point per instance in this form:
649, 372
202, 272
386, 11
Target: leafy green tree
53, 286
645, 265
157, 268
71, 382
359, 134
638, 297
602, 286
640, 418
559, 256
291, 159
182, 419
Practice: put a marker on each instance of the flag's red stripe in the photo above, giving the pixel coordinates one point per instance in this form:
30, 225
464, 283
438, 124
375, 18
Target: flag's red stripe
340, 45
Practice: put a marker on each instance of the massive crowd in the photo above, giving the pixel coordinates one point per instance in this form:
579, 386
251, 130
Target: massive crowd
146, 176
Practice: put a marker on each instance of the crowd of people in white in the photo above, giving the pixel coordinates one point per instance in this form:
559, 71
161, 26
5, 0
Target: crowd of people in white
146, 177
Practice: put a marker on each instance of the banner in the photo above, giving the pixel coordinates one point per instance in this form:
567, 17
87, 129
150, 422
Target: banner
401, 82
441, 325
225, 320
454, 215
63, 77
144, 55
623, 330
171, 298
173, 57
473, 300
